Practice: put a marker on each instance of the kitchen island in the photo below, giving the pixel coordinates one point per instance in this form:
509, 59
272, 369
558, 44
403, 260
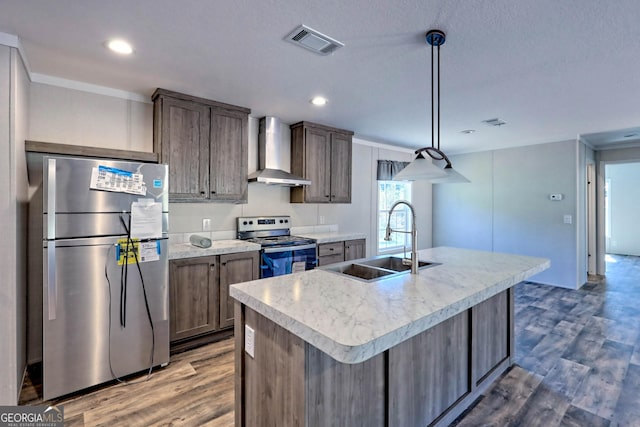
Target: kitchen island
405, 350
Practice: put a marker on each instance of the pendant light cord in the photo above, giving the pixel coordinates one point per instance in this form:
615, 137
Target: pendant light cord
432, 108
438, 95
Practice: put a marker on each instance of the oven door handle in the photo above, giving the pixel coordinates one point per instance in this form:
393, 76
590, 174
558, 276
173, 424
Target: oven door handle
289, 248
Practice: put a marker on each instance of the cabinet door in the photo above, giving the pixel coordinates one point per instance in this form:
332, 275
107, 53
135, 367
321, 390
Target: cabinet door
354, 249
340, 172
229, 144
235, 268
193, 283
429, 372
317, 158
185, 148
491, 334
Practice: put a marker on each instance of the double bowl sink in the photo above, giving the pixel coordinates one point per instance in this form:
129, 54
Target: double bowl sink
377, 268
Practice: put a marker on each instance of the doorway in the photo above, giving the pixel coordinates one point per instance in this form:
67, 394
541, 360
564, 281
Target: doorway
621, 210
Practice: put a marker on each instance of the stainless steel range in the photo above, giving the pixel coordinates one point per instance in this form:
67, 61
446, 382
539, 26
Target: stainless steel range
281, 252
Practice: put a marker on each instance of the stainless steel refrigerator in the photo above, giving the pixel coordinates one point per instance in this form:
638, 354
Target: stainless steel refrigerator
105, 292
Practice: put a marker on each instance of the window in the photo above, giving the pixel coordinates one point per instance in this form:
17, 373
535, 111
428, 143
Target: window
390, 192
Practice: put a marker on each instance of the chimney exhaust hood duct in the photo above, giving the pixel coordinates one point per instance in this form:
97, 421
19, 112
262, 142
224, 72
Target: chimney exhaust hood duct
269, 147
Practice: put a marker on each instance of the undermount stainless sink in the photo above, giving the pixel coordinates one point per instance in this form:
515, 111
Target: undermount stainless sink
360, 271
376, 268
394, 263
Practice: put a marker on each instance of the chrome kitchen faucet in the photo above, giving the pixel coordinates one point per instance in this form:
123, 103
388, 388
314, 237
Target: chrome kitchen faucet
413, 232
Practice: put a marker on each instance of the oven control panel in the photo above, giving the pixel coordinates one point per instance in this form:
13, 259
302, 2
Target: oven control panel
263, 223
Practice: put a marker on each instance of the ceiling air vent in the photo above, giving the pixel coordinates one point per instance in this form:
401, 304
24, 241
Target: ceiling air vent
311, 39
494, 122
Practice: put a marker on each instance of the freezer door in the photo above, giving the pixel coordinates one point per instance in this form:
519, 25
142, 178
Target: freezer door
66, 189
84, 343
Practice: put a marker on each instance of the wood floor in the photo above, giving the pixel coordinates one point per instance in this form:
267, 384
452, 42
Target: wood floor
577, 364
577, 356
195, 389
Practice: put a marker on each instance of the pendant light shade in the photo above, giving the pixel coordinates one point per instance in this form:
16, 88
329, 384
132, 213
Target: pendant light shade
423, 168
451, 177
420, 169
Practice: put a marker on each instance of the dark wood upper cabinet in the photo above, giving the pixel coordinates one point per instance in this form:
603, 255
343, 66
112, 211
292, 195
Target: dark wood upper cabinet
205, 144
323, 155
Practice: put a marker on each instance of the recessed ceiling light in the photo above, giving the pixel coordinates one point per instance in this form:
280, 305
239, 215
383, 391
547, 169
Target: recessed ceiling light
319, 100
467, 131
120, 46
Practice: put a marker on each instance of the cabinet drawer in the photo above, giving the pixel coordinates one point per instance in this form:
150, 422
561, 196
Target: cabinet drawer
329, 259
330, 248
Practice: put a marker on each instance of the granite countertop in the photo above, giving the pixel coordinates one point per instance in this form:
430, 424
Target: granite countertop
218, 247
331, 237
352, 320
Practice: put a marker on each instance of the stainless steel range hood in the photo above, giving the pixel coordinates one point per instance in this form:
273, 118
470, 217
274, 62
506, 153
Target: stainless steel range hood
269, 146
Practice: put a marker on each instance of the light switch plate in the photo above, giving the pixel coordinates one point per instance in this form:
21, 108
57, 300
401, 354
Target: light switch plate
568, 219
249, 340
556, 196
206, 224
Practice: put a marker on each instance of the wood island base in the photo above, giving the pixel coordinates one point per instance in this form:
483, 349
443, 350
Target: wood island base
427, 380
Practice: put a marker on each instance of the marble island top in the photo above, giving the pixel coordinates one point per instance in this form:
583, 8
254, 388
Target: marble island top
352, 320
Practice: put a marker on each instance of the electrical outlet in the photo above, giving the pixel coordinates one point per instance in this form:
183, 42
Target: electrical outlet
206, 224
568, 219
249, 340
555, 197
321, 219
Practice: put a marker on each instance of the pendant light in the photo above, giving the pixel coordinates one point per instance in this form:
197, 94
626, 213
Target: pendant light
423, 168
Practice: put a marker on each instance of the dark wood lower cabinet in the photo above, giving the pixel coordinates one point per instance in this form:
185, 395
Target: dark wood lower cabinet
429, 372
193, 297
427, 380
355, 249
235, 268
490, 332
199, 293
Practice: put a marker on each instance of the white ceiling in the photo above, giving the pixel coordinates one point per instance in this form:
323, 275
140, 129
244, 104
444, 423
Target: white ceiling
552, 69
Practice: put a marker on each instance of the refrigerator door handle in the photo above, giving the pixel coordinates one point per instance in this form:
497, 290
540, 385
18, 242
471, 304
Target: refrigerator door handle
51, 200
52, 291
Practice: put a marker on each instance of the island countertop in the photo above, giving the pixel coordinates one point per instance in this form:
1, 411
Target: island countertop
352, 320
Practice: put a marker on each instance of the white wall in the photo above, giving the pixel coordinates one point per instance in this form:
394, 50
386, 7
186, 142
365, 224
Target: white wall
463, 213
506, 207
624, 194
13, 220
68, 116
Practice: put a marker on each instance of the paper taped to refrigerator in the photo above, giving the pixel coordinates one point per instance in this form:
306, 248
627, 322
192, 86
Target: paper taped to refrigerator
146, 219
106, 178
149, 251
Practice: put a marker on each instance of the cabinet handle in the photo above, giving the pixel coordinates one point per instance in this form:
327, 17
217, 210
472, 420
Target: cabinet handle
202, 192
213, 192
212, 265
224, 263
333, 195
327, 196
331, 249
